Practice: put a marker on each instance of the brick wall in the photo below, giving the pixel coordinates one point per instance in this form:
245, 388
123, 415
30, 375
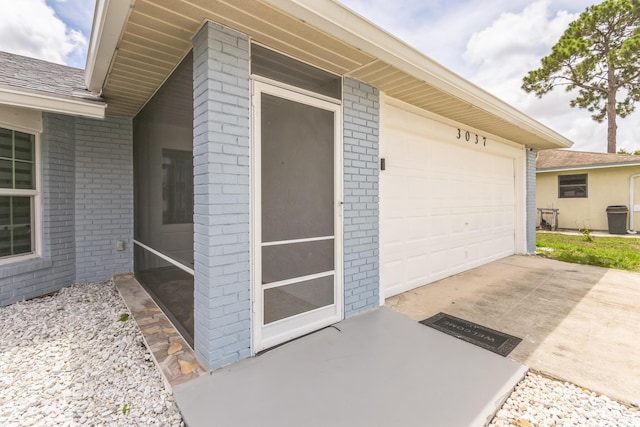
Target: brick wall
531, 199
104, 198
76, 155
56, 268
221, 200
361, 106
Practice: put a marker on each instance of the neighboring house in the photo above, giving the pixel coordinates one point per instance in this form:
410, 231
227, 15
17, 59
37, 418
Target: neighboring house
266, 170
582, 185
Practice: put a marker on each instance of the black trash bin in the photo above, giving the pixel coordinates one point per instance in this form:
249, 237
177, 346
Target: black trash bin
617, 216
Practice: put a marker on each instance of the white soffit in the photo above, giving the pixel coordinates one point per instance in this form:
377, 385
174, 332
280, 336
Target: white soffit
136, 44
356, 30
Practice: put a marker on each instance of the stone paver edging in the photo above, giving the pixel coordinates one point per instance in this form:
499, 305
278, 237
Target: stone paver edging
174, 357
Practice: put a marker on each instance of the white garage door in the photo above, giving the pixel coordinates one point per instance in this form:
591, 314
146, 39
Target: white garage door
446, 204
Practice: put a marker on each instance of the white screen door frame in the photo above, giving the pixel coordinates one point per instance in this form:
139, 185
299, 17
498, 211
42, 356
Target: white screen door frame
276, 332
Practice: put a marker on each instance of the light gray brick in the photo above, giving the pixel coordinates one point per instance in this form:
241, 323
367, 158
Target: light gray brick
87, 205
221, 223
531, 199
104, 184
361, 230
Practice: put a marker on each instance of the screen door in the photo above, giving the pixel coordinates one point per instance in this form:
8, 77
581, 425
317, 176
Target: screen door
296, 216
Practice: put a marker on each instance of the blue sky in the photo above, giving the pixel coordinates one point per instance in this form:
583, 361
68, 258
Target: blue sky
77, 15
490, 43
53, 30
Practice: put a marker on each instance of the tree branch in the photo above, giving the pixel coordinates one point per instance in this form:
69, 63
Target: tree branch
574, 80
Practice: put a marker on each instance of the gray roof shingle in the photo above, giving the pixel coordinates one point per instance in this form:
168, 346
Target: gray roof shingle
557, 159
32, 74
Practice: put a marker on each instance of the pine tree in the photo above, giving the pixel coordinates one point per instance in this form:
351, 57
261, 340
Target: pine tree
599, 55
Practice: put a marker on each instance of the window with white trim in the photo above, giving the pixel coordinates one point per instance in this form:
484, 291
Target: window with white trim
18, 193
572, 186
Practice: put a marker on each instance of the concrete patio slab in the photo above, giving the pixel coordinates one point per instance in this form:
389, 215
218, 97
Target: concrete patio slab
578, 323
375, 369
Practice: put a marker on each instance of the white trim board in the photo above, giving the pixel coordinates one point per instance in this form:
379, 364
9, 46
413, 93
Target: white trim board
44, 102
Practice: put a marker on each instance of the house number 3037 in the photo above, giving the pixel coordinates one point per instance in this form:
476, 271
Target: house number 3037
471, 137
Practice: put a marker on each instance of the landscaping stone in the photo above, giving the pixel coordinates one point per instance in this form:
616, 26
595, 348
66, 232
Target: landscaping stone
67, 359
539, 401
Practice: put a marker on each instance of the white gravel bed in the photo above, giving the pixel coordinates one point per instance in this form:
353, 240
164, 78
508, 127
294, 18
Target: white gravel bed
69, 360
538, 401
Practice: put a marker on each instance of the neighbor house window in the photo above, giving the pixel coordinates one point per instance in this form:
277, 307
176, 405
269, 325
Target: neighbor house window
572, 186
177, 187
18, 192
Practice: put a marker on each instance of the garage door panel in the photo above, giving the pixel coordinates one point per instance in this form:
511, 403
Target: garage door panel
394, 273
444, 207
395, 184
418, 228
396, 234
415, 266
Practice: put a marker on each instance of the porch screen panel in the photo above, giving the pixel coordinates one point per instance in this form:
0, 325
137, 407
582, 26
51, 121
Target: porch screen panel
163, 197
282, 262
297, 170
289, 300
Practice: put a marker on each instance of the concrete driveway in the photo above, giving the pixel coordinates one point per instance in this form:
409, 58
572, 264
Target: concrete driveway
577, 323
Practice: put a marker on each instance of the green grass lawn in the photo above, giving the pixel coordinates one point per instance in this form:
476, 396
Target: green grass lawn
611, 252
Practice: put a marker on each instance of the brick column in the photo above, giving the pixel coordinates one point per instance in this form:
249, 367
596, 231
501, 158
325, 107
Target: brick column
532, 155
361, 110
221, 200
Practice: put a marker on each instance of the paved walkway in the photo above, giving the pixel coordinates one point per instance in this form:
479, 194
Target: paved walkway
374, 369
578, 323
596, 233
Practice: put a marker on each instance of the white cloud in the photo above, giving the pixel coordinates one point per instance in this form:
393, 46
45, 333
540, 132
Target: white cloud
502, 54
31, 28
494, 46
513, 44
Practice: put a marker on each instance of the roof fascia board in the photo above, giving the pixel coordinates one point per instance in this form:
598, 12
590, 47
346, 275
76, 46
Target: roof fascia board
37, 101
109, 19
341, 22
587, 167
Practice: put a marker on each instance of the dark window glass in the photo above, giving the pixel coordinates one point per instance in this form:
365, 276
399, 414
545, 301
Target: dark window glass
5, 211
24, 178
6, 143
21, 239
177, 186
17, 157
572, 186
273, 65
24, 146
21, 210
17, 172
5, 241
6, 174
15, 225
